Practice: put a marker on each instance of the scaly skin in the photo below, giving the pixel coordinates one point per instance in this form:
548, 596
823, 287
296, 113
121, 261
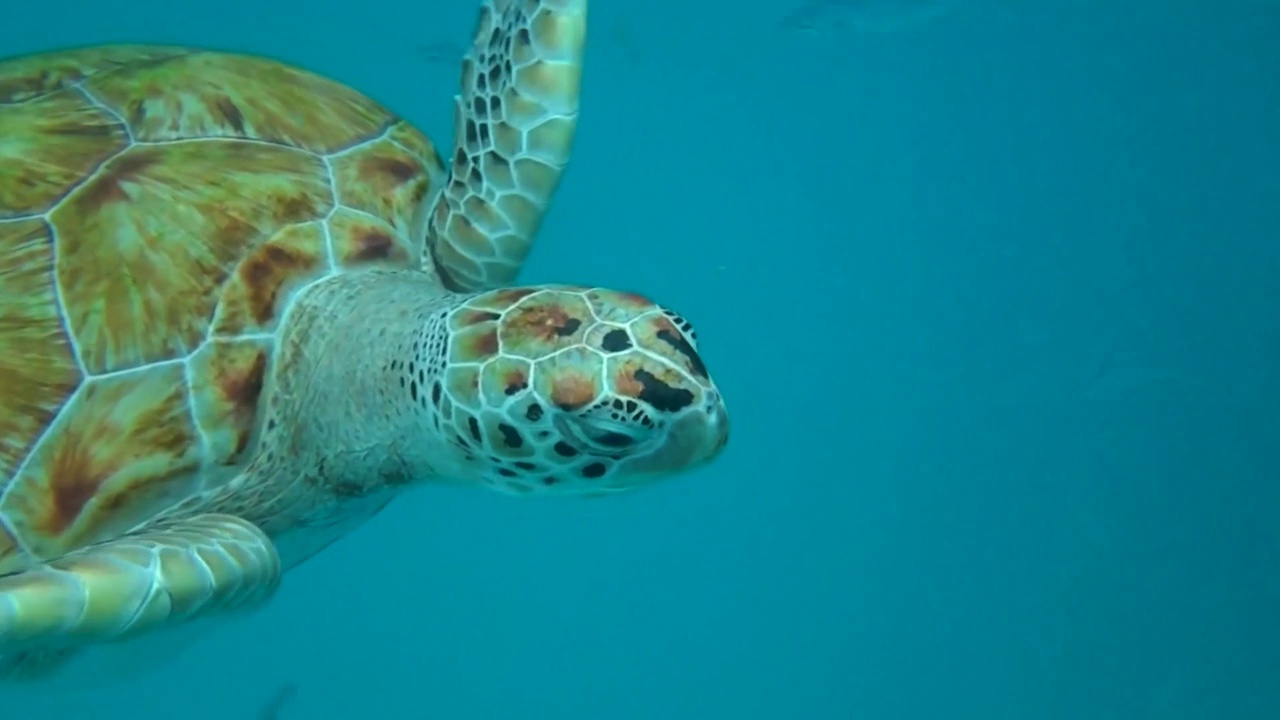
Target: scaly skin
214, 563
207, 565
514, 123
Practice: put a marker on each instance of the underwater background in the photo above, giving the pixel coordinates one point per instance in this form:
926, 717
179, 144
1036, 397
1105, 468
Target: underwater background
991, 288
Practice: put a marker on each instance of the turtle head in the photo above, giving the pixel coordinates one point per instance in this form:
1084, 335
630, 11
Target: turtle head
573, 390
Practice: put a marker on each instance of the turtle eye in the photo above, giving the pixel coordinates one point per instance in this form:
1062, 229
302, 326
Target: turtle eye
601, 435
609, 438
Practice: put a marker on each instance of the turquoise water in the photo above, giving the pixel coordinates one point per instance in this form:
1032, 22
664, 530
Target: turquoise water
991, 293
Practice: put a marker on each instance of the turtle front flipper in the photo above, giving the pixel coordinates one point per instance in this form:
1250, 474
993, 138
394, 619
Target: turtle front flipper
513, 127
125, 587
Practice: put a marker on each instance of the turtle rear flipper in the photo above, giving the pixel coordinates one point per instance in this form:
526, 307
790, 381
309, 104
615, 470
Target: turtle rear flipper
120, 589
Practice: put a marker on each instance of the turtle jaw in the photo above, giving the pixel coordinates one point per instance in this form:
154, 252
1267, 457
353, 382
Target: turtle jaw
693, 441
568, 464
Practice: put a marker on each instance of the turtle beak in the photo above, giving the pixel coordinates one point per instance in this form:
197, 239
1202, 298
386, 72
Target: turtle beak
717, 423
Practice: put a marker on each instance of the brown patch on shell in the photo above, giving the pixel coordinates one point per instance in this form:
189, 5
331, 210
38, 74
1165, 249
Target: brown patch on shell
218, 95
38, 369
385, 180
420, 146
152, 213
263, 283
112, 184
365, 241
122, 450
29, 76
49, 145
227, 378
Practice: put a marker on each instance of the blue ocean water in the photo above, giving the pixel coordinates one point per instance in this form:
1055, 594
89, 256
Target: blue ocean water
991, 290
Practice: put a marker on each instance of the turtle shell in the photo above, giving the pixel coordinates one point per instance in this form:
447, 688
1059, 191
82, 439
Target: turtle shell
158, 208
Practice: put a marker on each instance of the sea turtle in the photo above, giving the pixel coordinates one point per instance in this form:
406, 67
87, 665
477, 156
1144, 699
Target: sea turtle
242, 306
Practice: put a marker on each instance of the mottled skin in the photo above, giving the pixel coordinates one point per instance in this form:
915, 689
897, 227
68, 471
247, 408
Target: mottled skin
242, 306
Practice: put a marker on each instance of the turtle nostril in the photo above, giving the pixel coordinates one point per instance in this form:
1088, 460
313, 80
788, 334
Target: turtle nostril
714, 404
